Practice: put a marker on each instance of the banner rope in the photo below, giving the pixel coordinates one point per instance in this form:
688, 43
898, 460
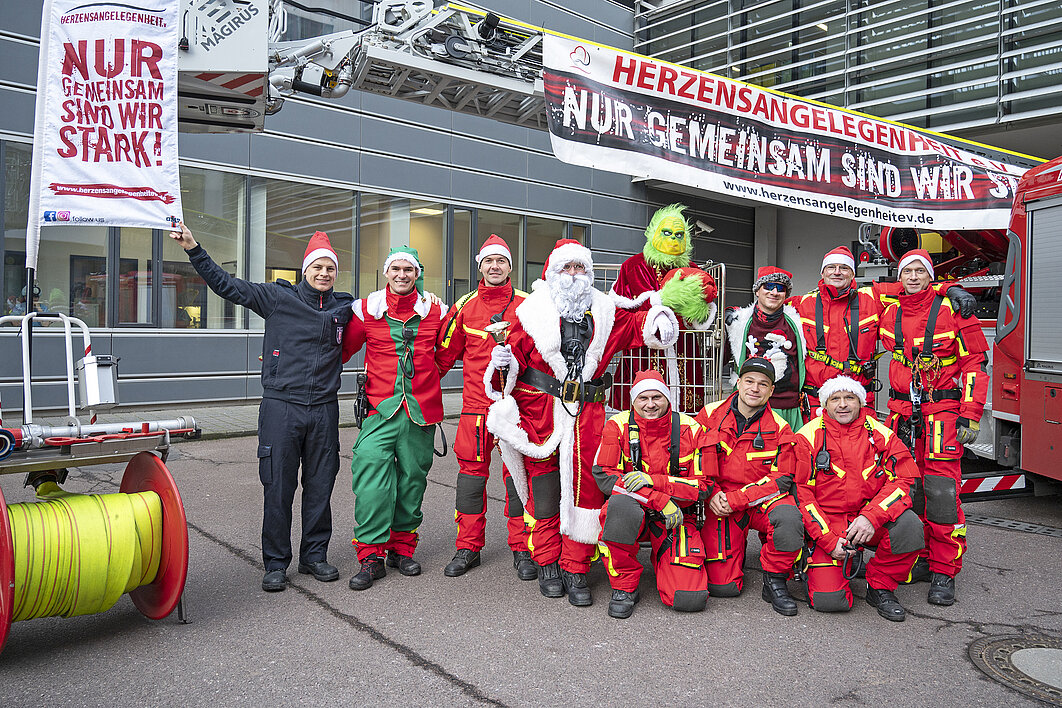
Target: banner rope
76, 554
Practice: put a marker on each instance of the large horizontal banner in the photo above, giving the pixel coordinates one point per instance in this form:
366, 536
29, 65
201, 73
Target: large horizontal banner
625, 113
105, 137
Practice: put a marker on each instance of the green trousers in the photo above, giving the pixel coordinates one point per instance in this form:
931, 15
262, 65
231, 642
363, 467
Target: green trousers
793, 416
392, 457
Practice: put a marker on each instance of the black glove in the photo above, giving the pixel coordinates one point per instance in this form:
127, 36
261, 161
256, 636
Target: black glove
966, 302
729, 315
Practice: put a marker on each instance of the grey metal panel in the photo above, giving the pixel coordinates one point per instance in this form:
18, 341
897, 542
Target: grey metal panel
405, 175
22, 17
569, 203
488, 190
386, 107
17, 115
617, 185
550, 169
616, 210
404, 140
561, 21
487, 156
49, 351
619, 38
189, 389
466, 124
301, 158
314, 122
539, 140
192, 353
226, 148
617, 238
18, 62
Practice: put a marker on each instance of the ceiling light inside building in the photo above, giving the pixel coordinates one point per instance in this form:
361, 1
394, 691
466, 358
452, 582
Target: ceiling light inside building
428, 211
823, 26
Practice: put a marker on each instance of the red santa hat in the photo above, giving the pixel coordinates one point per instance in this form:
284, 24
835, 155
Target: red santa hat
319, 247
650, 380
918, 254
773, 274
566, 251
495, 246
842, 383
840, 256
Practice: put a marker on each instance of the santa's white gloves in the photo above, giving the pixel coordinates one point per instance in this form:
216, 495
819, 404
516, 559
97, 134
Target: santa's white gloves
665, 328
501, 356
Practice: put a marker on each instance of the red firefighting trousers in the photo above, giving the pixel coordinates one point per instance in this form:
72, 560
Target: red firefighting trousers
473, 447
676, 555
724, 547
826, 582
938, 453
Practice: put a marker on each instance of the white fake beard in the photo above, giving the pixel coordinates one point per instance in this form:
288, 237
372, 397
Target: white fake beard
571, 294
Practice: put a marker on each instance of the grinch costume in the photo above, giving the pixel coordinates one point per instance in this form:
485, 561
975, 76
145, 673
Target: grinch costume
662, 274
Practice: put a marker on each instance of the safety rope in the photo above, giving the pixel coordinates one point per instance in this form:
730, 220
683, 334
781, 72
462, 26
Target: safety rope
76, 554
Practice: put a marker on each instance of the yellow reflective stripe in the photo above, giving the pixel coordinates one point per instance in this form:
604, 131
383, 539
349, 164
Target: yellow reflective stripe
682, 541
957, 533
891, 499
607, 560
867, 320
473, 331
688, 457
761, 455
867, 471
758, 482
838, 471
971, 378
817, 518
684, 480
726, 447
456, 513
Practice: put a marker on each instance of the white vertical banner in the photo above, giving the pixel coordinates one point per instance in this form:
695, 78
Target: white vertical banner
105, 136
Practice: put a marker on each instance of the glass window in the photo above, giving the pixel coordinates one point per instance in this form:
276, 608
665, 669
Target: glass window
427, 234
284, 217
464, 278
134, 276
542, 236
508, 227
388, 222
215, 211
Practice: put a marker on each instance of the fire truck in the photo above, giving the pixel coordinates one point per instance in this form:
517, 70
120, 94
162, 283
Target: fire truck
235, 71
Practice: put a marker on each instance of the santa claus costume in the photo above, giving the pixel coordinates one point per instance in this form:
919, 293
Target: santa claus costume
549, 420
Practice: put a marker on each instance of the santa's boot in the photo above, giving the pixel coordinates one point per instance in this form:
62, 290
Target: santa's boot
776, 592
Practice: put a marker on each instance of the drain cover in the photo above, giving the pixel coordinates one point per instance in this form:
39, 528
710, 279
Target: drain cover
1030, 664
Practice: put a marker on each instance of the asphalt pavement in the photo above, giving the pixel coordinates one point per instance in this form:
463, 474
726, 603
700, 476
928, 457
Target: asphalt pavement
489, 638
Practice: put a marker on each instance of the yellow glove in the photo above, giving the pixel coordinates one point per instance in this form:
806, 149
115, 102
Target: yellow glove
635, 480
966, 431
672, 515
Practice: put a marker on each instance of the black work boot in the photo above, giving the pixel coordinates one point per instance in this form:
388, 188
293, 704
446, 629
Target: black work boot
920, 572
888, 606
372, 568
274, 580
621, 606
549, 581
525, 567
405, 564
776, 592
320, 570
464, 559
577, 589
941, 590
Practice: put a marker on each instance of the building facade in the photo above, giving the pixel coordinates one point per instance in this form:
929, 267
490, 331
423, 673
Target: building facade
373, 172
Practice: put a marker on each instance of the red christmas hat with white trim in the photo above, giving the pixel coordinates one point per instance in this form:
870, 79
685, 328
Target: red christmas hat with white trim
649, 380
918, 254
567, 250
841, 256
495, 246
319, 247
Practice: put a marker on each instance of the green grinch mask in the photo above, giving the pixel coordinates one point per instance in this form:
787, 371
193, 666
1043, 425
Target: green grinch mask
667, 239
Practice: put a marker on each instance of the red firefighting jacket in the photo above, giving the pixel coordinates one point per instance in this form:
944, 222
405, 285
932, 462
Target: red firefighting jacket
749, 476
870, 473
464, 336
400, 353
952, 378
685, 485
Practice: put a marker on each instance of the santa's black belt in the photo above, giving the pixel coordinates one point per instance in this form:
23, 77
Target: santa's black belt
570, 391
951, 394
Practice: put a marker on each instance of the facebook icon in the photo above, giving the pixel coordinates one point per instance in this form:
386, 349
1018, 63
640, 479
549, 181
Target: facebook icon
50, 216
